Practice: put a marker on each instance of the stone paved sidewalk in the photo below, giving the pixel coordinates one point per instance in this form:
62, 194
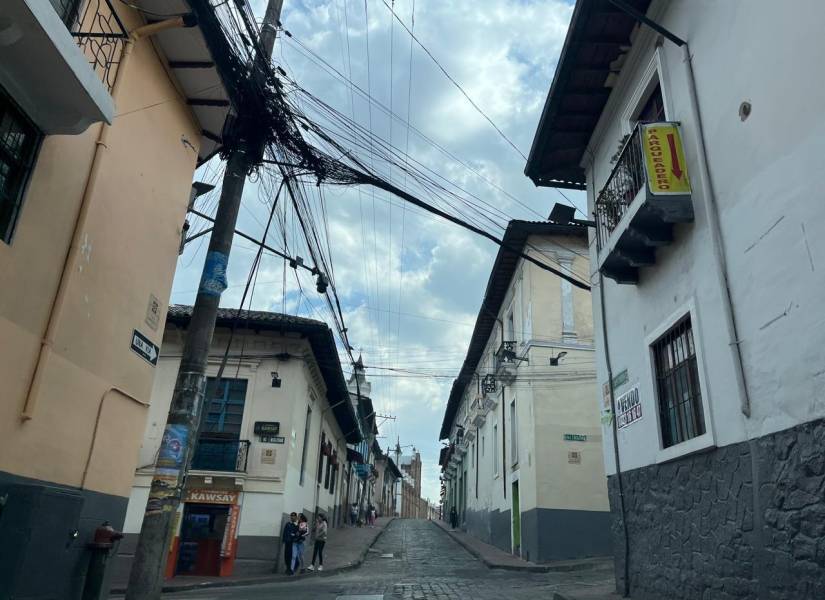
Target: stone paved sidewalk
496, 558
346, 548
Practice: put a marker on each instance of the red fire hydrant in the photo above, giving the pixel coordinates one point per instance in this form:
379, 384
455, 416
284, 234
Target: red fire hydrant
104, 540
105, 536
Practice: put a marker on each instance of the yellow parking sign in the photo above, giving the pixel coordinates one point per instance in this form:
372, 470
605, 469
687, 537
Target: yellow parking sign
664, 159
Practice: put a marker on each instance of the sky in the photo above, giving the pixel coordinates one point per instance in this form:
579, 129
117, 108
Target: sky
410, 284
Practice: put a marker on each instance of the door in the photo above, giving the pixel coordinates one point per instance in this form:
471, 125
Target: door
201, 537
516, 521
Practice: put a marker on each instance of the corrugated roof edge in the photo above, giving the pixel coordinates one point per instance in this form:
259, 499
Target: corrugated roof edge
504, 267
323, 347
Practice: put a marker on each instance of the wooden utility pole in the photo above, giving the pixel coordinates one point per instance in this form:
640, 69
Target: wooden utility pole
181, 432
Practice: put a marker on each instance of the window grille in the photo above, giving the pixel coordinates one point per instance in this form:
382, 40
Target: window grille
19, 141
677, 385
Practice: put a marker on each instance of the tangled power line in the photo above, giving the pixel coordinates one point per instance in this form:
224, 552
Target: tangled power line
308, 145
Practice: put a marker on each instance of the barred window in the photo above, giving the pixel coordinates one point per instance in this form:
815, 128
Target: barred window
19, 141
677, 384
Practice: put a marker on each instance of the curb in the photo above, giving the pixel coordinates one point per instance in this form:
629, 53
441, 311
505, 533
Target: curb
528, 567
266, 578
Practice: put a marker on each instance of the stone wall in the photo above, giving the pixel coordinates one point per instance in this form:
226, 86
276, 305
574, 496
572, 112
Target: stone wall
742, 521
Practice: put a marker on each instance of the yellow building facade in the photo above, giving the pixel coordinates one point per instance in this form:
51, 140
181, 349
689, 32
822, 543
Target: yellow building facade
97, 160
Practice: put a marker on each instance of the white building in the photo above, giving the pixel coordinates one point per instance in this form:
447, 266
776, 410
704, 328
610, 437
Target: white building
361, 472
710, 329
273, 440
523, 468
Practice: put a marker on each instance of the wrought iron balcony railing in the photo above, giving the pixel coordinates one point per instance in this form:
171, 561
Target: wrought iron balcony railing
488, 384
506, 355
625, 181
98, 31
217, 454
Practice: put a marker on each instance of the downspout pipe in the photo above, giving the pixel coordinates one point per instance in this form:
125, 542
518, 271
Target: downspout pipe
71, 260
617, 463
616, 459
718, 247
711, 206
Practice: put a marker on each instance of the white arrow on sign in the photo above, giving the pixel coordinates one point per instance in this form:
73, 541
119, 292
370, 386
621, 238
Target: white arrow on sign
143, 347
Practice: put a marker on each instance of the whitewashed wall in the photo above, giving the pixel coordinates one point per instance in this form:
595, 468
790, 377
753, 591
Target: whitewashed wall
269, 490
768, 177
546, 410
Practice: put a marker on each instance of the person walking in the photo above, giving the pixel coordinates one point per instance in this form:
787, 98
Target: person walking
453, 517
298, 544
288, 539
353, 514
373, 515
319, 533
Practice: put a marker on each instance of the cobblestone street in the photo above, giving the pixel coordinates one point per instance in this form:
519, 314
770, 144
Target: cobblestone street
416, 560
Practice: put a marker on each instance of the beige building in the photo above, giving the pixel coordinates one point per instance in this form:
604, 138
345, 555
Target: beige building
273, 440
523, 468
101, 129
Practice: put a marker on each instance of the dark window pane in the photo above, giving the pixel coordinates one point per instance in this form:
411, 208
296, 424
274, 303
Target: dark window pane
677, 385
654, 109
19, 140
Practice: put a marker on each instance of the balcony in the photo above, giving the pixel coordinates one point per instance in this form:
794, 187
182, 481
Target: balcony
489, 390
58, 62
220, 454
478, 414
647, 192
506, 362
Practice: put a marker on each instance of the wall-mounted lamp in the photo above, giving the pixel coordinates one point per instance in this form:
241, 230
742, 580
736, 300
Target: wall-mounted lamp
554, 360
276, 381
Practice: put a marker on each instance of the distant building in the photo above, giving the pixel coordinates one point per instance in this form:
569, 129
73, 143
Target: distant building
702, 165
523, 466
412, 505
361, 472
100, 136
387, 479
273, 440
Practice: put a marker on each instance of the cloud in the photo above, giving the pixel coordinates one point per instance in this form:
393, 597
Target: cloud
410, 284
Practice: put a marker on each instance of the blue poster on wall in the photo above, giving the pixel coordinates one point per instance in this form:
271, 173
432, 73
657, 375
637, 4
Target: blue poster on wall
173, 446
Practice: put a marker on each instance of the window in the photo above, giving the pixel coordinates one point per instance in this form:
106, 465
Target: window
653, 110
219, 447
67, 10
513, 433
306, 444
495, 450
225, 406
19, 141
511, 327
677, 385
